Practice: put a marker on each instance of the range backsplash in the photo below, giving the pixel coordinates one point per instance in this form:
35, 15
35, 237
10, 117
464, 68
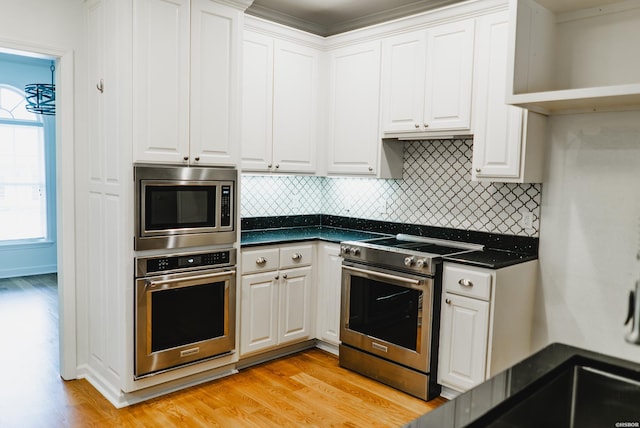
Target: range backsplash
436, 190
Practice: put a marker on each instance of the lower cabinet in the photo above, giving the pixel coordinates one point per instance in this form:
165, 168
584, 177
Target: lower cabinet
275, 299
328, 293
486, 322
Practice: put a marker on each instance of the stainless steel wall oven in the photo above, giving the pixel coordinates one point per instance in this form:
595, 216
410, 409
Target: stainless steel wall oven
181, 206
390, 310
184, 309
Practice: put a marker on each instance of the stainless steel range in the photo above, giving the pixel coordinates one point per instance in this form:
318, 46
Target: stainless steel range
390, 309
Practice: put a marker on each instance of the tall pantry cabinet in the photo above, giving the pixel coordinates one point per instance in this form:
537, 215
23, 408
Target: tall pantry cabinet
162, 85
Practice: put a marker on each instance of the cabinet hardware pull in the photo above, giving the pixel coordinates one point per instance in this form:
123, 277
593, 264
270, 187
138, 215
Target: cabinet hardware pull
197, 158
186, 158
100, 86
478, 170
370, 168
261, 261
426, 125
447, 301
465, 283
284, 275
417, 126
276, 277
296, 256
270, 166
277, 165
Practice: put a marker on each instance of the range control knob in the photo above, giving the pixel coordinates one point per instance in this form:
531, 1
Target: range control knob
422, 263
409, 261
355, 251
344, 249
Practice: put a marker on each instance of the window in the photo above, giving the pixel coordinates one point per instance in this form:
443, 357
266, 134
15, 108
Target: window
23, 198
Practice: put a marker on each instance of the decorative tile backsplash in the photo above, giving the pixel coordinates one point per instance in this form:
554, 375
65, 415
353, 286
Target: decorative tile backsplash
436, 190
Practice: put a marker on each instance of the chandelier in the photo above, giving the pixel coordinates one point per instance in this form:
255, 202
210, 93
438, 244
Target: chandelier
41, 97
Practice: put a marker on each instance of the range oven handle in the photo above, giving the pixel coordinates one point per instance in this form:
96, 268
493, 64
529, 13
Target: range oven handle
384, 275
152, 284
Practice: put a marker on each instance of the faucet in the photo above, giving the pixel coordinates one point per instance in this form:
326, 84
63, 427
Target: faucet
633, 336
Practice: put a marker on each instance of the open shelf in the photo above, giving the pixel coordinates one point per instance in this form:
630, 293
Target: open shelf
563, 59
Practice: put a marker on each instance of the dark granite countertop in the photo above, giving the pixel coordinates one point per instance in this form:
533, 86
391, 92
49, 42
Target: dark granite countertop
480, 406
500, 250
295, 234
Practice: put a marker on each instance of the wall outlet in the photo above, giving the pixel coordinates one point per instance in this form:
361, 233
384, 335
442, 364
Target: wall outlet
527, 219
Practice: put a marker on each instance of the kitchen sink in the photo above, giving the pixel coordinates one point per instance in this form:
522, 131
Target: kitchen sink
578, 393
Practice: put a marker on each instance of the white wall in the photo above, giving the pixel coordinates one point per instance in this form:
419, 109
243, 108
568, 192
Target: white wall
589, 232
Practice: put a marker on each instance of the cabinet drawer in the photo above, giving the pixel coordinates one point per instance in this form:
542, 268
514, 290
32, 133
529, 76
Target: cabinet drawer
298, 255
260, 260
467, 281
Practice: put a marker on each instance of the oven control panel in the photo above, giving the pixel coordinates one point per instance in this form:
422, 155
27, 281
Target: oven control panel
179, 262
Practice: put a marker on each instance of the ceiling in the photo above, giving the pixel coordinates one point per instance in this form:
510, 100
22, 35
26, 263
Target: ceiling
329, 17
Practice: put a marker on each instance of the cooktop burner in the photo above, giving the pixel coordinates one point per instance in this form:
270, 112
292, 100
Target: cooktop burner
405, 252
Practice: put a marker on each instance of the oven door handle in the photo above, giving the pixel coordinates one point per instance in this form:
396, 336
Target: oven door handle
152, 284
384, 275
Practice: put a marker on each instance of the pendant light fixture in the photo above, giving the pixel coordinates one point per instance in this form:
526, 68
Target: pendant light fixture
41, 97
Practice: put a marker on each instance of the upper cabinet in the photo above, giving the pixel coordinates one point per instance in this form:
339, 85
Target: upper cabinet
574, 56
509, 141
353, 142
186, 87
279, 105
426, 81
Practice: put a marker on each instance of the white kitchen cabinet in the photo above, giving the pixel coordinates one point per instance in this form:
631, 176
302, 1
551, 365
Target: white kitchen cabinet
427, 81
279, 105
509, 142
574, 56
485, 323
276, 297
354, 106
329, 274
186, 85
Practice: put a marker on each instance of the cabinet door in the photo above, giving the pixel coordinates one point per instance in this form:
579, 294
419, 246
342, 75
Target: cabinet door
354, 109
259, 309
161, 81
257, 102
403, 82
504, 134
463, 342
295, 84
449, 73
328, 303
215, 83
295, 304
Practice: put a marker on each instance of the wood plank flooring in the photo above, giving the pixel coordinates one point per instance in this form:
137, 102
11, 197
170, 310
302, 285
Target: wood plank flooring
305, 389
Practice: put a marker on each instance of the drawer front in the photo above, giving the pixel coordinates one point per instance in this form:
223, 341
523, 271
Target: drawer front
296, 255
467, 281
260, 260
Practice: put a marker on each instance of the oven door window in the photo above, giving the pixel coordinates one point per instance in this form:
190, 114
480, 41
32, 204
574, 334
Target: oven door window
179, 207
385, 311
186, 315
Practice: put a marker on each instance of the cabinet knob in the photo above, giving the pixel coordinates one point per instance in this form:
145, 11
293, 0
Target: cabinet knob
370, 168
277, 165
465, 283
478, 169
417, 125
270, 166
197, 158
261, 261
447, 301
186, 158
296, 256
426, 125
276, 277
100, 86
284, 275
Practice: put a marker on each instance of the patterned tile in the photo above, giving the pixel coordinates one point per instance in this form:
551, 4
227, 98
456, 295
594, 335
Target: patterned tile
436, 190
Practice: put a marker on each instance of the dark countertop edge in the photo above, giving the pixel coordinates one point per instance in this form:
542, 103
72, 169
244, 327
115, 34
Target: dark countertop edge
528, 373
291, 229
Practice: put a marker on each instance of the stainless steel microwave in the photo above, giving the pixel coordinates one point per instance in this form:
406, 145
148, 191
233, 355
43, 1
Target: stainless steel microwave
183, 207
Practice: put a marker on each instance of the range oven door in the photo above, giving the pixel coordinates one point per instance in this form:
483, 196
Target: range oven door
183, 318
387, 313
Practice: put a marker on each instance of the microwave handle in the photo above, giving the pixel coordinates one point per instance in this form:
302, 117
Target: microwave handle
152, 284
383, 275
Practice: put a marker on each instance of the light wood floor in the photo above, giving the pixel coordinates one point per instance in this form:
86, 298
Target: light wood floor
305, 389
